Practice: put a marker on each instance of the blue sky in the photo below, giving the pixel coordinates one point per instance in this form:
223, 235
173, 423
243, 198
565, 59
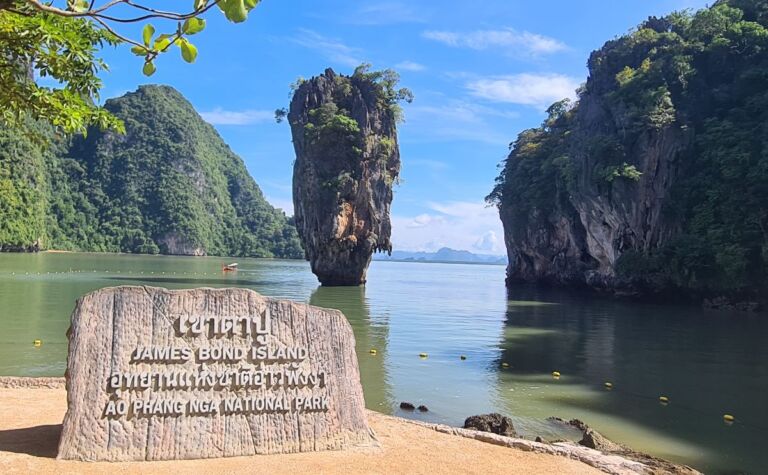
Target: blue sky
481, 72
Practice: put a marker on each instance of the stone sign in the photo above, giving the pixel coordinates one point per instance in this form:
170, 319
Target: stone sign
154, 374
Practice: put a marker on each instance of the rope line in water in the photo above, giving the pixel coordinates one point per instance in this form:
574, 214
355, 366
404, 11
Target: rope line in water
95, 271
690, 409
663, 400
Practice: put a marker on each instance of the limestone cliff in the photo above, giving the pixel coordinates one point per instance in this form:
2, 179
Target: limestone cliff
579, 236
654, 181
347, 159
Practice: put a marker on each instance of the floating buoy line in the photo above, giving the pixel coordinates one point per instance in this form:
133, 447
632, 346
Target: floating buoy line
129, 272
663, 400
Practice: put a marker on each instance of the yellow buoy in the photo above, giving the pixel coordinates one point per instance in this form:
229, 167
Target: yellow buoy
38, 343
608, 385
505, 365
555, 374
463, 357
423, 355
728, 418
372, 351
664, 399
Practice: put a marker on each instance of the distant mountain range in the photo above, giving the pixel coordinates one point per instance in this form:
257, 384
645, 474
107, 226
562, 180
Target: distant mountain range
443, 255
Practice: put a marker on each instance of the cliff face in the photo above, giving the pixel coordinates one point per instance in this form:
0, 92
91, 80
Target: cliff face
655, 180
168, 185
580, 237
347, 159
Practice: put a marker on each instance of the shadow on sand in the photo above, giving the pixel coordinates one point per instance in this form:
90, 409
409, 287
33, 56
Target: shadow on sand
38, 441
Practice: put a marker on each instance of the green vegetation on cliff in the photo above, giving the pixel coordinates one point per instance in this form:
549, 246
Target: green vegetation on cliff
169, 185
23, 190
344, 131
689, 90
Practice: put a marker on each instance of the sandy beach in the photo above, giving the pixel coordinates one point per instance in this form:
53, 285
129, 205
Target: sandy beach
30, 424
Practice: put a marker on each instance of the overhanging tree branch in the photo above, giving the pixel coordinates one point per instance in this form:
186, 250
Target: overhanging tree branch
62, 38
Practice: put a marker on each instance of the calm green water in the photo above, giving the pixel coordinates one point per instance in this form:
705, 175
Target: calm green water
707, 363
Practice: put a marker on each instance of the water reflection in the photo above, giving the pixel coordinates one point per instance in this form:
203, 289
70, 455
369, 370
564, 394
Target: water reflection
645, 351
369, 334
707, 363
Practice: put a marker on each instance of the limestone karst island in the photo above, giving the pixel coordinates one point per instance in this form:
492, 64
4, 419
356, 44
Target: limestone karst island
384, 237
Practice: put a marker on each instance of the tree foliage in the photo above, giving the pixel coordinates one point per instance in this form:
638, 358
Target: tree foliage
61, 40
332, 129
169, 179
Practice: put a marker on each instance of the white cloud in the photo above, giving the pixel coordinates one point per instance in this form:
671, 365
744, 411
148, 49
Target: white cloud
462, 111
539, 90
219, 116
410, 66
386, 13
516, 42
457, 120
460, 225
487, 242
424, 220
429, 164
332, 48
285, 205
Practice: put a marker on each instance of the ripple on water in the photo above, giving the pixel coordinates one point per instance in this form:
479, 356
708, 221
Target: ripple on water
707, 363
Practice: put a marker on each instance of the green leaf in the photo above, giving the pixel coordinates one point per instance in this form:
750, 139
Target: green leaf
162, 42
147, 33
193, 25
139, 51
200, 4
251, 4
78, 6
188, 51
149, 69
234, 10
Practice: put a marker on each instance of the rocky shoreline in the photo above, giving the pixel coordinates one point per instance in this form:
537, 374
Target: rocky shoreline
594, 450
499, 425
33, 247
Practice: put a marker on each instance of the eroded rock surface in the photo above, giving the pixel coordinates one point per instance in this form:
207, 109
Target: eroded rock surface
577, 237
347, 159
494, 423
294, 388
595, 440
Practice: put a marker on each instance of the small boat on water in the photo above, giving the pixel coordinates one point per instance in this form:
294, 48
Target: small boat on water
230, 267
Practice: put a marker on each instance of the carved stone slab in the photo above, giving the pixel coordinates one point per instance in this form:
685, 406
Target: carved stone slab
154, 374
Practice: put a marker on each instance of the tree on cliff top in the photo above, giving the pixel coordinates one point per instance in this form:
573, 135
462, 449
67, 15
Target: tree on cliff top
385, 83
61, 39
